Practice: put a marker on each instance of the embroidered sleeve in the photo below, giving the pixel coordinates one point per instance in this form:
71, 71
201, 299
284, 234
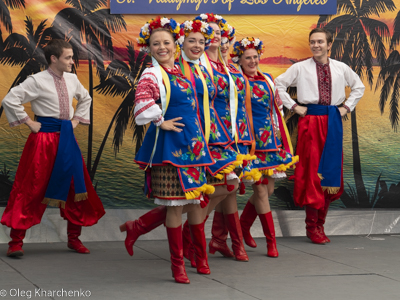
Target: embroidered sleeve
293, 107
279, 102
147, 92
82, 113
19, 122
346, 107
25, 92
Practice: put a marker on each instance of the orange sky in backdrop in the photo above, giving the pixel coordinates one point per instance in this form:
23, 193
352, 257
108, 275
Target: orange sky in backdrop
282, 35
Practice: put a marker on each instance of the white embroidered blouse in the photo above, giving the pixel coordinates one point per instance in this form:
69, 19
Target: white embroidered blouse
50, 96
303, 75
147, 93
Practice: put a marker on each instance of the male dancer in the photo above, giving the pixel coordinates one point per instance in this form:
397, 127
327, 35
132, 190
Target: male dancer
320, 83
51, 169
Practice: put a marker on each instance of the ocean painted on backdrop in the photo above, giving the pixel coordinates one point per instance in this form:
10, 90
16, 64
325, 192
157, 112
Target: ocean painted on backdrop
224, 7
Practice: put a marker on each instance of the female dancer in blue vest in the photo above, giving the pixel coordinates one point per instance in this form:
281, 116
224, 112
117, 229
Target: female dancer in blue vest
229, 104
266, 122
198, 35
174, 153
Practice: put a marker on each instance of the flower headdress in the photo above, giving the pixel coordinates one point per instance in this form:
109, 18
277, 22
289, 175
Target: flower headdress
199, 26
170, 24
222, 24
228, 35
244, 44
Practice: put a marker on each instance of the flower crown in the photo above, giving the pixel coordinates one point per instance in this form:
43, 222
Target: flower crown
199, 26
228, 35
221, 22
244, 44
170, 24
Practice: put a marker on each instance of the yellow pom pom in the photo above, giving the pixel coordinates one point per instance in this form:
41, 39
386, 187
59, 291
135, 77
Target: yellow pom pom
209, 189
196, 193
219, 176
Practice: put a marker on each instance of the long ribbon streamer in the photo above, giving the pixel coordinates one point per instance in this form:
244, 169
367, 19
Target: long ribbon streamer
287, 143
164, 87
206, 101
233, 97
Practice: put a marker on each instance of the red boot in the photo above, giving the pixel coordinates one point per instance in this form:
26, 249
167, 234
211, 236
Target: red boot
15, 245
311, 226
188, 249
176, 250
321, 221
233, 223
200, 245
269, 231
144, 224
247, 218
219, 234
73, 232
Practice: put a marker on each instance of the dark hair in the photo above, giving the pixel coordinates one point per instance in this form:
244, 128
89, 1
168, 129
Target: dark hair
55, 47
328, 34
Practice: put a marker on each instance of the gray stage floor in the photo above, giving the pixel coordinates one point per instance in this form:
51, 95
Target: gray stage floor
350, 267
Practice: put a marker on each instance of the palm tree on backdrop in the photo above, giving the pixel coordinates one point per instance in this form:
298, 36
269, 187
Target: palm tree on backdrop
5, 18
120, 80
87, 27
26, 51
355, 37
389, 78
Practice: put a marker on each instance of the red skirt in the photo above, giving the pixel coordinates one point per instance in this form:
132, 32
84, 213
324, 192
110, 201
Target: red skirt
312, 131
24, 208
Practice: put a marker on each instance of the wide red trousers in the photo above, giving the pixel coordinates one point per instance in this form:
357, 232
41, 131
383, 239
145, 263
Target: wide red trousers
312, 131
24, 208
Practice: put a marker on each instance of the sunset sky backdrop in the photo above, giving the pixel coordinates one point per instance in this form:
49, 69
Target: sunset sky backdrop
282, 35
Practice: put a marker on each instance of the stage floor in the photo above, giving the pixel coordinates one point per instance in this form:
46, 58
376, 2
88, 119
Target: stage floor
350, 267
288, 223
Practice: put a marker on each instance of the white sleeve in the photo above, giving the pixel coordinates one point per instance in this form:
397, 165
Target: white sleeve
147, 92
82, 113
356, 85
285, 80
25, 92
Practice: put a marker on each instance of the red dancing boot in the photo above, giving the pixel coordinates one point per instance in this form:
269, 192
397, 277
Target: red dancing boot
269, 231
74, 243
311, 226
144, 224
247, 218
188, 249
200, 245
233, 223
15, 245
321, 221
176, 250
219, 234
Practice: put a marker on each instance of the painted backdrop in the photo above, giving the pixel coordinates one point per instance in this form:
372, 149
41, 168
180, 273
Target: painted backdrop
366, 37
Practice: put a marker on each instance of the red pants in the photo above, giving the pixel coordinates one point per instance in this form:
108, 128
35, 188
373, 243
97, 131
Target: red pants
24, 208
312, 131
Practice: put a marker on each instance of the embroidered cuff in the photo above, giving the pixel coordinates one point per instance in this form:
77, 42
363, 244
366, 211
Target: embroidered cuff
147, 106
159, 121
81, 120
19, 122
293, 107
346, 107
